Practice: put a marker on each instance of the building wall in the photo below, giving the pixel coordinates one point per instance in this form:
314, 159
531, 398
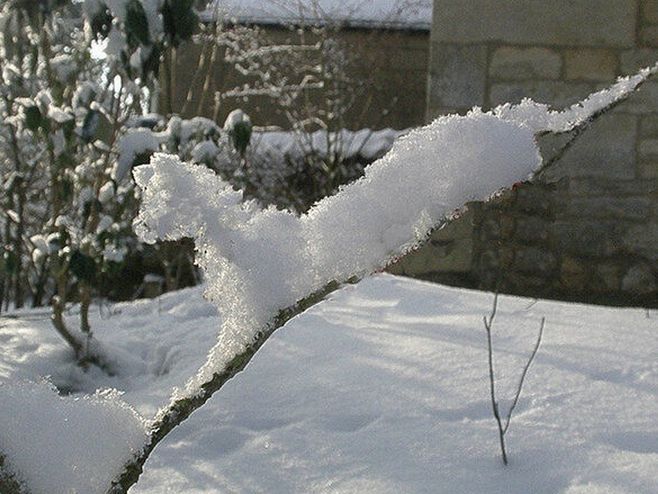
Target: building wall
391, 63
590, 231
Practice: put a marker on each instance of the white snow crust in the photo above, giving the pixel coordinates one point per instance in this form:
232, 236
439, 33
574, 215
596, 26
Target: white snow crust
363, 144
260, 261
133, 143
541, 118
383, 389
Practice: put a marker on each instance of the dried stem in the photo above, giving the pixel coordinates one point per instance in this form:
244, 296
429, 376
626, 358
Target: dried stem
502, 429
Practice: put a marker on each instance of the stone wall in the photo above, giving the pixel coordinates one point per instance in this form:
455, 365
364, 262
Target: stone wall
590, 232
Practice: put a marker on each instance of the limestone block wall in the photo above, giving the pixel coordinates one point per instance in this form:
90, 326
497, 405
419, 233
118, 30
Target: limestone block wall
590, 232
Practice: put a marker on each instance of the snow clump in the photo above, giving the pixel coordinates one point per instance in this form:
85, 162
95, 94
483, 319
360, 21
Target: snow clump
47, 437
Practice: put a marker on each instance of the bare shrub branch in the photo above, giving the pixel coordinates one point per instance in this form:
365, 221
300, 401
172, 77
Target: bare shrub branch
502, 429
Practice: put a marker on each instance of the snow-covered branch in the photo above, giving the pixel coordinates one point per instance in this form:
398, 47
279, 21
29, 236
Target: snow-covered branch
263, 264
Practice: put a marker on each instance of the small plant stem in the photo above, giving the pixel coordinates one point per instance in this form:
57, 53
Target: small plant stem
502, 429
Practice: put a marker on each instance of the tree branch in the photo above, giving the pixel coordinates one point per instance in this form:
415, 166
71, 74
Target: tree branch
181, 409
578, 130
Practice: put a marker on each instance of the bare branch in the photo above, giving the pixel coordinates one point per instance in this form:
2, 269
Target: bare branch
502, 429
492, 379
524, 373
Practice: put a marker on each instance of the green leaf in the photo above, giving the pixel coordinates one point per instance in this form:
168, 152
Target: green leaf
82, 266
137, 24
180, 20
152, 63
90, 125
10, 262
101, 22
241, 135
66, 189
68, 127
33, 118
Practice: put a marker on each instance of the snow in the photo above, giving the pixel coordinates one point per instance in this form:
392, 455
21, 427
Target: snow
196, 127
205, 152
416, 14
66, 444
133, 143
382, 389
400, 380
157, 344
283, 146
106, 193
540, 118
234, 118
63, 67
261, 261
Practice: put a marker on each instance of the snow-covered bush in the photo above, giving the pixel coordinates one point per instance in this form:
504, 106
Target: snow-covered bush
313, 83
278, 169
66, 144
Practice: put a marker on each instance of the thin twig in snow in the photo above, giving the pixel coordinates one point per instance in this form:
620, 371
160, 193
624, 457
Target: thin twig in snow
502, 429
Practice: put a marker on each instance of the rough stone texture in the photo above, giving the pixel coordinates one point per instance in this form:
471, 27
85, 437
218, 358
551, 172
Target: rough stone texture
608, 277
649, 36
648, 168
517, 64
644, 102
534, 260
457, 75
588, 238
642, 240
649, 126
574, 274
590, 64
532, 229
558, 22
648, 149
590, 233
633, 60
602, 187
650, 11
559, 94
607, 149
627, 208
639, 279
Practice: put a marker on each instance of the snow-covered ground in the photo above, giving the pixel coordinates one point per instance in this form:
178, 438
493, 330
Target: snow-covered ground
383, 388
